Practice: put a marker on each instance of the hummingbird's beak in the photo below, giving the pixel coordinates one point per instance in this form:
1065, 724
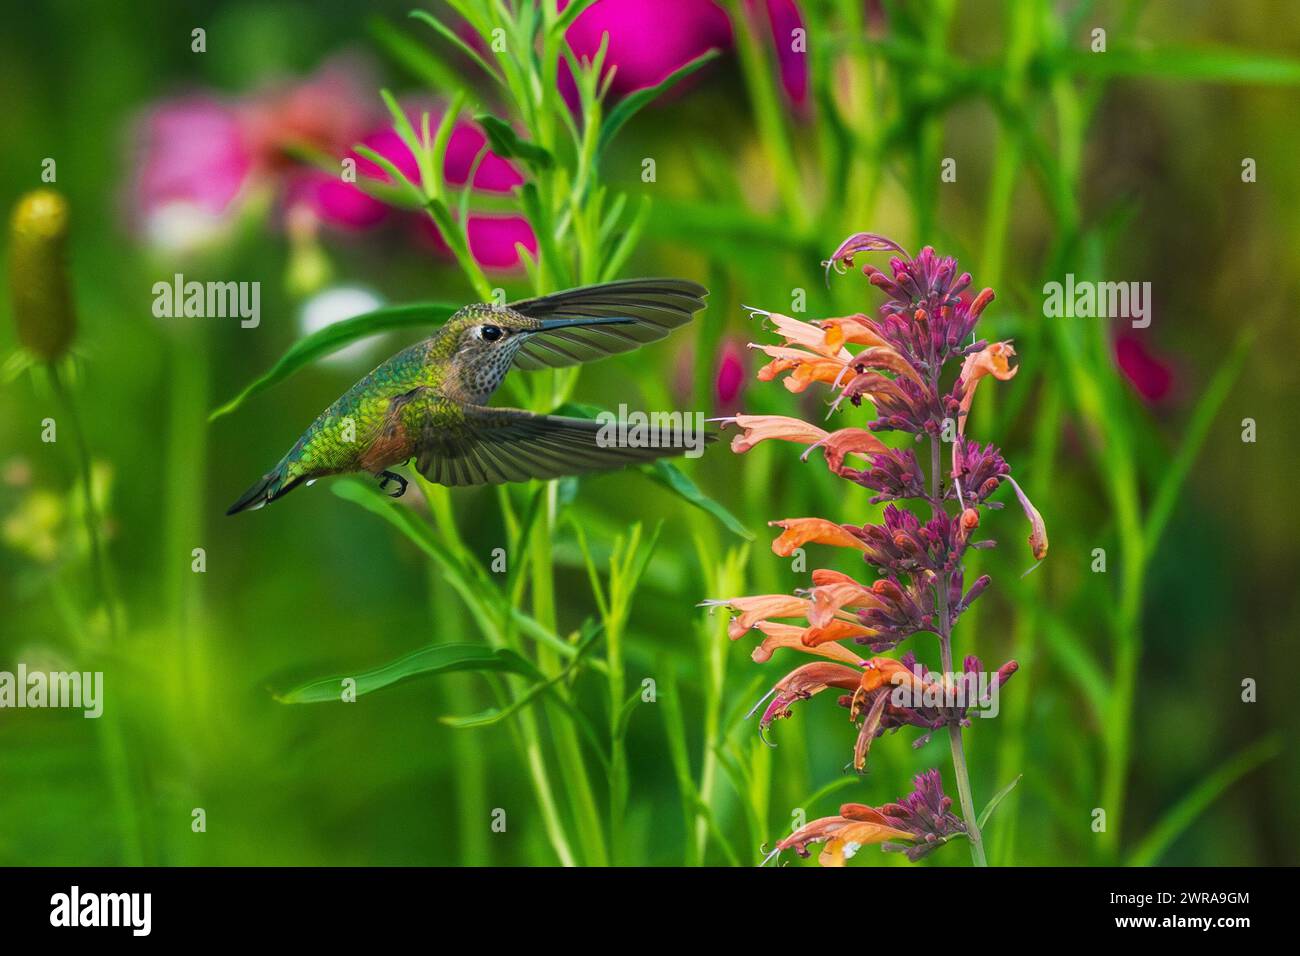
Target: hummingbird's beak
550, 325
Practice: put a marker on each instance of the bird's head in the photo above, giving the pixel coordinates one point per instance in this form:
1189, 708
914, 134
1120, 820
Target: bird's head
483, 340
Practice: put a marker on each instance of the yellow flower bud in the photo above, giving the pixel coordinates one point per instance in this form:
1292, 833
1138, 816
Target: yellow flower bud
38, 274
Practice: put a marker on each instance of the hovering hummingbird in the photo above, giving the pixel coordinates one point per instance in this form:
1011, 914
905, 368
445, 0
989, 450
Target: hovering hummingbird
428, 402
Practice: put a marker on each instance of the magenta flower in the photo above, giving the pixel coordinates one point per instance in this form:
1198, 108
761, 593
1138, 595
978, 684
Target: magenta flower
918, 563
648, 39
493, 239
199, 158
1151, 377
792, 60
731, 376
194, 161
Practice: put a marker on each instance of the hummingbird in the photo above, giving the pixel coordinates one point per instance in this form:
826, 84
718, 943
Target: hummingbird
429, 401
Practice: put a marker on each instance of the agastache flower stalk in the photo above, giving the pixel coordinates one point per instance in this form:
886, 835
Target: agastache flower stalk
898, 367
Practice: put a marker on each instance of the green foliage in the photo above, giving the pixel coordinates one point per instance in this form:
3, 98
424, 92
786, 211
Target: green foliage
438, 659
332, 338
526, 688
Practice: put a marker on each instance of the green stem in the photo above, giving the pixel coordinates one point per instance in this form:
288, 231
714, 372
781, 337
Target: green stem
98, 561
769, 116
186, 452
112, 740
945, 652
470, 777
567, 746
529, 737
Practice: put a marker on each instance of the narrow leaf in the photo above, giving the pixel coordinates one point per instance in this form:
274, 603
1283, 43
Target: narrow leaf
1208, 64
451, 36
997, 798
665, 473
1203, 415
334, 337
505, 142
438, 659
571, 13
1184, 813
633, 102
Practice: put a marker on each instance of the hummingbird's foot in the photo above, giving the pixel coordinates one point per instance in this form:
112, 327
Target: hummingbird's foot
385, 477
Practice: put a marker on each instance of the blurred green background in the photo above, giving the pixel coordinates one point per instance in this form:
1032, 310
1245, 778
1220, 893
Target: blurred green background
1119, 165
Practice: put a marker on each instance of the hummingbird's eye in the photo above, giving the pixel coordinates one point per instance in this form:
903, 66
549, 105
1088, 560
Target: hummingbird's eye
490, 333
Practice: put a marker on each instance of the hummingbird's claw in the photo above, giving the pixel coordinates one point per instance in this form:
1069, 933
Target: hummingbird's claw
389, 476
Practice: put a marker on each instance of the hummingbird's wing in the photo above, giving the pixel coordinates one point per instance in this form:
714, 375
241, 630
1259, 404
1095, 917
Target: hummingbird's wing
657, 306
494, 445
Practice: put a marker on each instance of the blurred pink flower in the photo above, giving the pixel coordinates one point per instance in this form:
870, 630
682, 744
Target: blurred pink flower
193, 160
327, 111
648, 39
492, 238
732, 375
495, 175
791, 48
199, 159
1151, 377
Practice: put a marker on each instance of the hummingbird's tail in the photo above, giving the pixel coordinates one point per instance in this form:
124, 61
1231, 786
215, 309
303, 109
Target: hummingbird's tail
274, 484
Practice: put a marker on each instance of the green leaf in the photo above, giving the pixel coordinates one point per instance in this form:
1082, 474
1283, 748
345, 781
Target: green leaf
390, 169
438, 659
1078, 662
551, 261
507, 143
665, 473
415, 58
997, 798
1207, 64
569, 14
814, 798
1207, 407
401, 122
633, 102
623, 248
334, 337
452, 37
624, 719
584, 640
1182, 814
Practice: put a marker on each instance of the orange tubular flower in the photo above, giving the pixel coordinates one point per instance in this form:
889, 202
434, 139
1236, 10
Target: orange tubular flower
760, 428
807, 334
796, 638
857, 826
917, 824
828, 599
851, 329
800, 531
848, 441
1037, 529
805, 368
993, 360
902, 353
836, 630
759, 608
836, 446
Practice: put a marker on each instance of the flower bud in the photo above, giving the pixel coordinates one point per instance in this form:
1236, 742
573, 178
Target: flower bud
38, 274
